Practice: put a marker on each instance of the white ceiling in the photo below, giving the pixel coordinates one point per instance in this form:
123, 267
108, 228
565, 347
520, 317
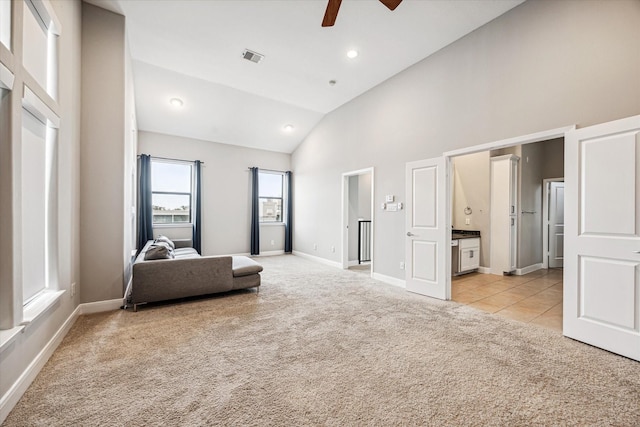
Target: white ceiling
193, 50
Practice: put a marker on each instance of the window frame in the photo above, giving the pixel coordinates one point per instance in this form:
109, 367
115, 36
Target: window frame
38, 99
6, 26
281, 198
45, 17
190, 194
33, 106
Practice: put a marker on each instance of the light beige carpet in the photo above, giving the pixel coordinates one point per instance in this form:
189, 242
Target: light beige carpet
321, 346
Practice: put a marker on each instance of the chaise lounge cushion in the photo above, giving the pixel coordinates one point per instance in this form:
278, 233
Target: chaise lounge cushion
182, 253
243, 266
165, 239
158, 251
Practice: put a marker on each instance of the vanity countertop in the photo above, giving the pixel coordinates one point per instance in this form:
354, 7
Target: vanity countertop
464, 234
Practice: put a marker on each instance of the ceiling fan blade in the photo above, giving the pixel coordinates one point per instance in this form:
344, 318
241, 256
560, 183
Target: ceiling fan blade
391, 4
331, 13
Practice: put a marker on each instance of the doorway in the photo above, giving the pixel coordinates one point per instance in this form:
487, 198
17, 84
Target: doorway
357, 220
534, 292
475, 190
553, 223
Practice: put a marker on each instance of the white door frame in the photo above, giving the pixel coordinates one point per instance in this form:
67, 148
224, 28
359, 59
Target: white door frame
503, 143
545, 219
345, 215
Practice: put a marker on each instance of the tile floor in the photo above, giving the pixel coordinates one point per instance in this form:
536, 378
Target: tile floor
535, 297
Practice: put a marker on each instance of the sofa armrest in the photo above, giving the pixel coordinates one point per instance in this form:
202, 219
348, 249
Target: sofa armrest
179, 278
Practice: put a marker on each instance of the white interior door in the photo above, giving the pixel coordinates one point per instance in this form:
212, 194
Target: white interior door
602, 236
556, 224
427, 241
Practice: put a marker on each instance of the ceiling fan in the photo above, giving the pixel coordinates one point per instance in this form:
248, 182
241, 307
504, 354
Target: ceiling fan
333, 6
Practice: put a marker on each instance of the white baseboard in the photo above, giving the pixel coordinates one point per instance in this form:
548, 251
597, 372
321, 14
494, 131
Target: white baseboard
100, 306
390, 280
484, 270
11, 397
318, 259
528, 269
354, 263
272, 253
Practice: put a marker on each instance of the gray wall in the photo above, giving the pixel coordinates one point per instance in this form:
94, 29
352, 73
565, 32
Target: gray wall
540, 66
226, 189
105, 176
17, 357
553, 165
539, 161
530, 200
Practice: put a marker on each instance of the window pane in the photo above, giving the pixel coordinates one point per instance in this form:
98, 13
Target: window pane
171, 208
35, 46
270, 210
270, 184
34, 206
171, 177
5, 23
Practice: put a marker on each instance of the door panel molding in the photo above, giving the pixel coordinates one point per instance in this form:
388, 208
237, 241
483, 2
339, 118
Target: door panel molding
427, 236
601, 301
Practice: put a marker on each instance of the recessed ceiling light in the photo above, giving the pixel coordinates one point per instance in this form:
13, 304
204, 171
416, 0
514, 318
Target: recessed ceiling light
352, 53
176, 102
288, 128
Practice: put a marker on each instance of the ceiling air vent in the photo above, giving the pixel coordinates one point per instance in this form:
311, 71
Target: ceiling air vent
252, 56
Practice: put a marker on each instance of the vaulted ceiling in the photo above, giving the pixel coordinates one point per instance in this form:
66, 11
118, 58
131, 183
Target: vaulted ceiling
193, 50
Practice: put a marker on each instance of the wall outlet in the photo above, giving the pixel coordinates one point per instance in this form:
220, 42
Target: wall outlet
273, 242
401, 265
333, 248
315, 246
73, 289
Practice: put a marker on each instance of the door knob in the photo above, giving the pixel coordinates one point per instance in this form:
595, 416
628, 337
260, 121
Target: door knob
409, 234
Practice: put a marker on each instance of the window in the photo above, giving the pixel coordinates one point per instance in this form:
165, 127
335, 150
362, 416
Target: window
40, 34
270, 195
172, 188
38, 201
5, 23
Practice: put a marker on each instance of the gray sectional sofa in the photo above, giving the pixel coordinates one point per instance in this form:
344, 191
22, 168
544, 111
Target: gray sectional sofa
184, 273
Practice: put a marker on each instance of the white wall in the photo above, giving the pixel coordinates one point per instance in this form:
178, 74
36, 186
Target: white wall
471, 188
16, 357
226, 189
353, 217
129, 215
540, 66
359, 208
